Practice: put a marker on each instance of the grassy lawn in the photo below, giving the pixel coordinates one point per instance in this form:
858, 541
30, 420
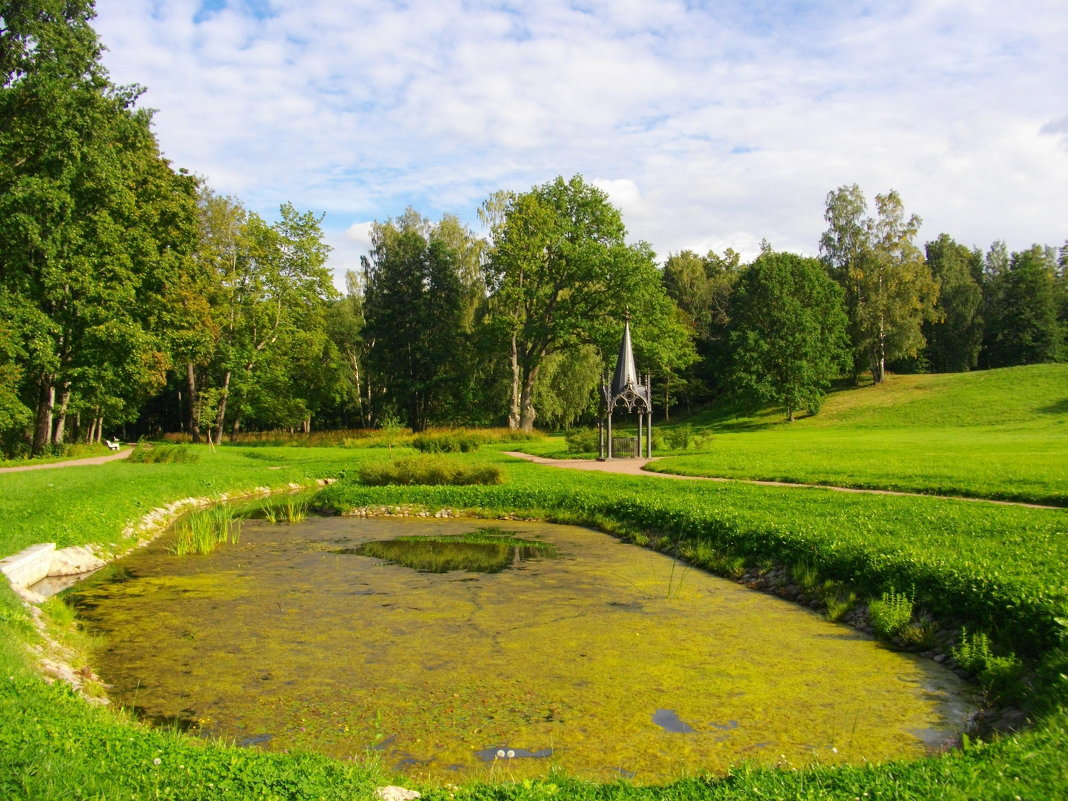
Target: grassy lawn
1000, 570
996, 434
1021, 463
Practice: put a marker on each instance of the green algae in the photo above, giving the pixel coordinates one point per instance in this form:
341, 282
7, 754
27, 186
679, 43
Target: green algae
487, 550
600, 661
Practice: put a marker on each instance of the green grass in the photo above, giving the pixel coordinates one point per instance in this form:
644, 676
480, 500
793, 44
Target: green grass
93, 503
1001, 571
997, 434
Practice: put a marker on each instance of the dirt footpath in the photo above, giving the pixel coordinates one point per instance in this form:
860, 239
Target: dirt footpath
111, 457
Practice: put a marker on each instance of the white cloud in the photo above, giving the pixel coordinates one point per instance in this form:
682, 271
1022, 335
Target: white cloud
709, 126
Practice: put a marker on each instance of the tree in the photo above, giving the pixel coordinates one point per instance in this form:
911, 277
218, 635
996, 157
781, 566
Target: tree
345, 325
269, 288
414, 314
561, 275
954, 338
1022, 325
702, 286
787, 332
566, 387
889, 289
90, 215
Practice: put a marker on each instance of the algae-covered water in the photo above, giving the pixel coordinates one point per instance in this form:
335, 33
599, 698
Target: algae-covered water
600, 657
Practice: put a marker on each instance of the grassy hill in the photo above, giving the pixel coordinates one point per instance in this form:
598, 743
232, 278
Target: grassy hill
1035, 394
995, 434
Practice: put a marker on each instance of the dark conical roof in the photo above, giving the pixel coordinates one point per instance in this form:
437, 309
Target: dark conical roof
626, 374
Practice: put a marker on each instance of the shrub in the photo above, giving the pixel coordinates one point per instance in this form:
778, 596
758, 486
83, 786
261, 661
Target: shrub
447, 442
147, 453
685, 436
582, 440
891, 614
428, 470
998, 675
679, 437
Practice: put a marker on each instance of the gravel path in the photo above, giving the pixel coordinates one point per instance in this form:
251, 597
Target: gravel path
636, 467
111, 457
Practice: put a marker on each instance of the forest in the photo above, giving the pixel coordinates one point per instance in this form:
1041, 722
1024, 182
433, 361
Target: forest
135, 300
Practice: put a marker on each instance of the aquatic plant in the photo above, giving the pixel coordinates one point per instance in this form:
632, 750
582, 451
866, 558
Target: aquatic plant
268, 511
202, 532
487, 550
294, 510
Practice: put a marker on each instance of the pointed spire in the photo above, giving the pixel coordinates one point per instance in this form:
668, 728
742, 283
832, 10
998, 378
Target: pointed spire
626, 374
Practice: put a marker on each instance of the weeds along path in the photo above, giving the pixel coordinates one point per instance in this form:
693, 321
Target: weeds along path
636, 467
111, 457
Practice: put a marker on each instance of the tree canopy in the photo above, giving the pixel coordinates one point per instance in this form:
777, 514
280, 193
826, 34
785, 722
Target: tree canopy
560, 274
787, 332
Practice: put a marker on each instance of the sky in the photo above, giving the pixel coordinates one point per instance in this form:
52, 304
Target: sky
709, 124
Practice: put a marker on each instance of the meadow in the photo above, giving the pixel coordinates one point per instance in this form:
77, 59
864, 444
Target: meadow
994, 569
995, 434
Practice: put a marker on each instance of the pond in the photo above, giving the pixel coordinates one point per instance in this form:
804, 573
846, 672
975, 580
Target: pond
577, 650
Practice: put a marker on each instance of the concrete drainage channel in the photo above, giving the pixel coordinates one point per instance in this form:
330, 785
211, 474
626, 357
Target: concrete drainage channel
34, 565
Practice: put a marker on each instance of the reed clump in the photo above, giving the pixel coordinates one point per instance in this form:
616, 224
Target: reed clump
203, 532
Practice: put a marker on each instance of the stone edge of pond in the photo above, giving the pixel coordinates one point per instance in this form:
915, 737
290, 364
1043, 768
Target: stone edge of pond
43, 560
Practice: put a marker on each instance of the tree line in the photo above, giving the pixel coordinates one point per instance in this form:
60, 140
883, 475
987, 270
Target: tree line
781, 329
134, 299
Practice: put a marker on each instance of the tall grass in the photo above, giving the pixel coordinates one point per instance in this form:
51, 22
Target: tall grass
149, 453
429, 470
202, 532
287, 509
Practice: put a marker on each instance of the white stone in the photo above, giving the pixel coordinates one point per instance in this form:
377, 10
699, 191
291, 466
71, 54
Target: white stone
74, 560
394, 793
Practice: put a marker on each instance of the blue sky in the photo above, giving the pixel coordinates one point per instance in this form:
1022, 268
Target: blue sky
709, 124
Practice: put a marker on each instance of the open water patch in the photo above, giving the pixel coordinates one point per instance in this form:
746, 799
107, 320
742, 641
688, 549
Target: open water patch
594, 660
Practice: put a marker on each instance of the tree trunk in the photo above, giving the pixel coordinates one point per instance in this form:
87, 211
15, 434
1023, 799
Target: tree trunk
220, 416
236, 427
515, 404
42, 429
527, 413
307, 424
193, 423
61, 415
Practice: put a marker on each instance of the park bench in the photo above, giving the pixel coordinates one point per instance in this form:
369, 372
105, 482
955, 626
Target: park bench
112, 445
